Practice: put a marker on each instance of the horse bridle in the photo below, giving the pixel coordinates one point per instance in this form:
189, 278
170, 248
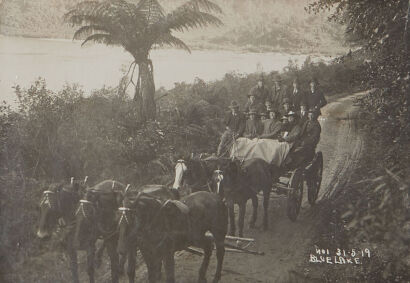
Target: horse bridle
46, 198
81, 207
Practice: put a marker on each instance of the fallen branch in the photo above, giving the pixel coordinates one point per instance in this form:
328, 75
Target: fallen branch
240, 239
244, 251
230, 246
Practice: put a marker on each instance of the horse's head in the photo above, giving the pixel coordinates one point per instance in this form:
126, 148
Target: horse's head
86, 218
134, 217
49, 212
183, 173
57, 205
217, 180
194, 173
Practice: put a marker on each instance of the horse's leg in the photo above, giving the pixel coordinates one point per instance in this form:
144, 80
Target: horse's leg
266, 194
122, 260
231, 212
207, 246
112, 252
159, 269
220, 253
90, 261
72, 253
254, 199
132, 259
241, 219
152, 270
99, 255
169, 267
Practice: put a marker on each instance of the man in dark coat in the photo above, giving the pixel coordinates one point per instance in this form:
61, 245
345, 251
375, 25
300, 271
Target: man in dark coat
295, 130
315, 98
235, 126
303, 114
296, 96
260, 92
253, 127
284, 110
272, 127
278, 93
253, 103
305, 150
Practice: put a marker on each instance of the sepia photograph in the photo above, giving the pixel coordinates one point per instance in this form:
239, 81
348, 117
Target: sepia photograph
184, 141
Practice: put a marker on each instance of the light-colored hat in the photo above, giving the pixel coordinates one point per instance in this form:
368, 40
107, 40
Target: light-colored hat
291, 113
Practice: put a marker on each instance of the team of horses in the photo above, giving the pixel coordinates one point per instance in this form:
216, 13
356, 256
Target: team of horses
153, 218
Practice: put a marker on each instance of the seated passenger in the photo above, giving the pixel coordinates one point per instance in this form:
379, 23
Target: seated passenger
235, 126
253, 126
305, 151
284, 127
272, 127
294, 129
263, 117
303, 114
268, 105
285, 107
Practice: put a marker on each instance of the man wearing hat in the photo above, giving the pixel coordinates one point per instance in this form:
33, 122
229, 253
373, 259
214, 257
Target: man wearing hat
315, 98
260, 92
294, 129
296, 96
303, 114
253, 103
278, 93
263, 116
272, 126
235, 126
284, 110
305, 150
253, 126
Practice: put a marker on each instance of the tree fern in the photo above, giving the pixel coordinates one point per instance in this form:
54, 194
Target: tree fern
138, 28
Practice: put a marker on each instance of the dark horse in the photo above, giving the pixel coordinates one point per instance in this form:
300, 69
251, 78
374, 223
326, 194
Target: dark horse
127, 244
195, 174
239, 181
95, 219
57, 208
162, 228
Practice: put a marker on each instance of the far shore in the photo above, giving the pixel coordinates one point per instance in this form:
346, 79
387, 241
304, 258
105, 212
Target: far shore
203, 45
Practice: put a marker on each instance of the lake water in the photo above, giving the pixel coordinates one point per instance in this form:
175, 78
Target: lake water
22, 60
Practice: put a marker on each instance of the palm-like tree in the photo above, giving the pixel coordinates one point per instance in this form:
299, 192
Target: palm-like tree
138, 28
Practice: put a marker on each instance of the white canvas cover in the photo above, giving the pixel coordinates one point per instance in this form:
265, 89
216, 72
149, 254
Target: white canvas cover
272, 151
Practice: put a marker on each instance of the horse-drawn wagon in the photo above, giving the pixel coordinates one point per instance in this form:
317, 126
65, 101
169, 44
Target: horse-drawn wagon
287, 179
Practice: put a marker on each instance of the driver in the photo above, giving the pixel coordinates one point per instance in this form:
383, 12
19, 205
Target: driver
294, 129
305, 150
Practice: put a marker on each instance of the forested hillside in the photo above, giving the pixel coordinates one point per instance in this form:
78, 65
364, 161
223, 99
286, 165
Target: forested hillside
259, 25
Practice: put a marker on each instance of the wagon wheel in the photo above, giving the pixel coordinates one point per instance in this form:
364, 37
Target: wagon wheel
315, 178
295, 194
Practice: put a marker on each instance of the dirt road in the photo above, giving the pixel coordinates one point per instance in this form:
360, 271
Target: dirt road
286, 243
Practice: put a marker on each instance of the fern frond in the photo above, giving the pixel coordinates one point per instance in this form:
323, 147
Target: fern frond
86, 31
184, 19
170, 40
100, 38
202, 5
